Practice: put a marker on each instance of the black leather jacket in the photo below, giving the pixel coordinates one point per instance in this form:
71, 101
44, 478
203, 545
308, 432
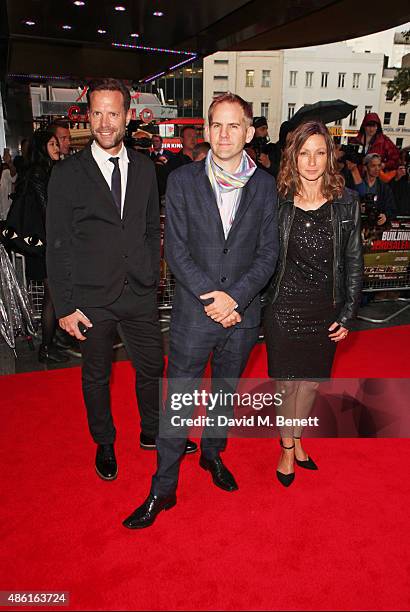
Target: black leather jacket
347, 258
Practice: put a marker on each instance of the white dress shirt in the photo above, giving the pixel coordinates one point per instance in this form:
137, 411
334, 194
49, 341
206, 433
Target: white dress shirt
103, 160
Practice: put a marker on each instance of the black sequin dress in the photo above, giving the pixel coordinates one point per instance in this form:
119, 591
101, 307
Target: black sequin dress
296, 324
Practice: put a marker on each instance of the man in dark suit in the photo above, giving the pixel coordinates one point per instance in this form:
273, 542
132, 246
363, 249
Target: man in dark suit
158, 153
221, 244
103, 255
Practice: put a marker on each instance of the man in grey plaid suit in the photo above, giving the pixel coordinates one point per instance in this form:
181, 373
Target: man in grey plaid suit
221, 243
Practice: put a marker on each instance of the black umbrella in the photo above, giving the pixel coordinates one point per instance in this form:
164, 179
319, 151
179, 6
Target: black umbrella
326, 111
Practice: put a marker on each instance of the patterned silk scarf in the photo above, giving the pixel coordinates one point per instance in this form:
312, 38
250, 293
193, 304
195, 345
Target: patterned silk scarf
224, 182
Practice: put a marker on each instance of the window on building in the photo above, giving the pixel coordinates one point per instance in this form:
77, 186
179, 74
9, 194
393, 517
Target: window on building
370, 80
341, 80
402, 118
308, 79
221, 82
221, 61
399, 142
387, 118
338, 122
323, 82
265, 109
265, 78
367, 109
250, 78
352, 118
291, 110
356, 80
292, 78
389, 95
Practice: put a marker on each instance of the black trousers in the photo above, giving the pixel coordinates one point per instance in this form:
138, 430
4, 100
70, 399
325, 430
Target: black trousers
189, 352
137, 317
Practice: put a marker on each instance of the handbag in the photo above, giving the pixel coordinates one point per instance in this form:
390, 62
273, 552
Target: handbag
24, 230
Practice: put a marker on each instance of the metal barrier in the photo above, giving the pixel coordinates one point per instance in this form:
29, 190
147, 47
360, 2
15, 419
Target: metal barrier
386, 257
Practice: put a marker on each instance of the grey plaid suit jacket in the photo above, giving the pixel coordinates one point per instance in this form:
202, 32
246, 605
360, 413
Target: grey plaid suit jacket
200, 257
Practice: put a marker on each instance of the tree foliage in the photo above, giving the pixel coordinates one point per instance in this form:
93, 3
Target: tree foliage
400, 85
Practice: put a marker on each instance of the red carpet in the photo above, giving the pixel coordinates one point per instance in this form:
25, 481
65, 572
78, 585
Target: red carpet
337, 539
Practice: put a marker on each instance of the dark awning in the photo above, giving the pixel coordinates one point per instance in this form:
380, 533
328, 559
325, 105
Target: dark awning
197, 26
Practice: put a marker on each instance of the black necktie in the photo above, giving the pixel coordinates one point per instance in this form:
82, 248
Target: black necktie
116, 182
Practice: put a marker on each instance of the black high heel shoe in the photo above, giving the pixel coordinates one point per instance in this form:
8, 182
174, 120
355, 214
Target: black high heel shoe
308, 464
285, 479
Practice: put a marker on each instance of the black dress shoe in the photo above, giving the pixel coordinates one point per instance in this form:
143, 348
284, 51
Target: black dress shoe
145, 515
221, 476
105, 462
285, 479
190, 447
148, 443
308, 464
51, 354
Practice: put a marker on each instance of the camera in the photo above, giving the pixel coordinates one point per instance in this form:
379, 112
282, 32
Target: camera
258, 144
369, 208
351, 154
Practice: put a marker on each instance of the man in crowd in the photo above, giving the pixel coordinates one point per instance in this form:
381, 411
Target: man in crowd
184, 156
400, 185
268, 154
373, 190
158, 153
103, 255
221, 244
200, 151
61, 130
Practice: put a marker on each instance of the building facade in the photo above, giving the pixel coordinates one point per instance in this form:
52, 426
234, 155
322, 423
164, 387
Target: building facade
389, 42
181, 88
256, 76
331, 72
394, 115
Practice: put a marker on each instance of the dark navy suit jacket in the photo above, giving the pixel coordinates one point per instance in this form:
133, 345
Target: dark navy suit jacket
202, 260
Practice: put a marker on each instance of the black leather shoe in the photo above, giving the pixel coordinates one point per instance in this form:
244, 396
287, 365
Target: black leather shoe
148, 443
191, 447
105, 462
221, 476
145, 515
50, 354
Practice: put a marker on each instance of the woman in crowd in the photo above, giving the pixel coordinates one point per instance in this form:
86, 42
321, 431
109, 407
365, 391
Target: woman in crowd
44, 152
315, 291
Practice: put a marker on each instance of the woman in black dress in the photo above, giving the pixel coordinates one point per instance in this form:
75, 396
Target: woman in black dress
44, 153
315, 291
